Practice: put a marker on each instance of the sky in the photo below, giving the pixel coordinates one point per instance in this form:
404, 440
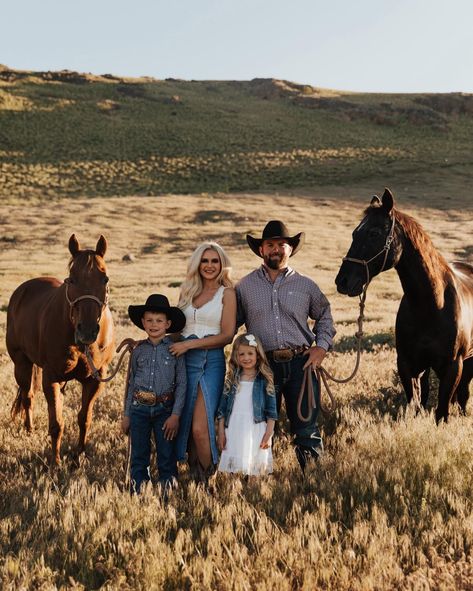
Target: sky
358, 45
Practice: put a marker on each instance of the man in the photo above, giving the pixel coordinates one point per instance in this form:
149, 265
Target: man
275, 302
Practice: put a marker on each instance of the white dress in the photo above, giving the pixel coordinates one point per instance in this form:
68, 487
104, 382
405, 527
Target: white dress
243, 452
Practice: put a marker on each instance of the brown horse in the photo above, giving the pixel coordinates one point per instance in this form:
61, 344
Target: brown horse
434, 325
49, 325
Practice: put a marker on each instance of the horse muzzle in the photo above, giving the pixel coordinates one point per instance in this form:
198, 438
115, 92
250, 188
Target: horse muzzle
349, 285
86, 335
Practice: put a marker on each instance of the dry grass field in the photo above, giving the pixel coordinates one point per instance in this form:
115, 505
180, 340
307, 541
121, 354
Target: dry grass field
389, 505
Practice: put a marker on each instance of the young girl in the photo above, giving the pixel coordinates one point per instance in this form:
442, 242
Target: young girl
247, 410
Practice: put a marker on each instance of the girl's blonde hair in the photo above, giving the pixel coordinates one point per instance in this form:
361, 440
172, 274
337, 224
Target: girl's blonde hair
193, 285
262, 366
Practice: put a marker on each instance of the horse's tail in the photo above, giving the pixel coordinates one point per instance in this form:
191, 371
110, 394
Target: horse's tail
36, 379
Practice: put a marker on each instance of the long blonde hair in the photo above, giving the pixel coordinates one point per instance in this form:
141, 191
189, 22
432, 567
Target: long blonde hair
262, 366
193, 285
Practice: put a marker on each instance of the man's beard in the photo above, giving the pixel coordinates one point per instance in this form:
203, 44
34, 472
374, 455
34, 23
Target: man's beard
273, 262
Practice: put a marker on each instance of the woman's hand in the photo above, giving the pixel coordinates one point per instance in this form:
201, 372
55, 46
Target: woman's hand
178, 349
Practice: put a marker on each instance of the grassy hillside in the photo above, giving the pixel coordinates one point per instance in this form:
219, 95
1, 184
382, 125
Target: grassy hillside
63, 133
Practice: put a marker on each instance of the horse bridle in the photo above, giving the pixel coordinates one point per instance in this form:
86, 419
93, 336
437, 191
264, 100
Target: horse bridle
385, 249
72, 303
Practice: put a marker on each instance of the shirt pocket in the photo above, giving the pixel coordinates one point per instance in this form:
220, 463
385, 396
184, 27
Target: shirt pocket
296, 302
167, 370
142, 363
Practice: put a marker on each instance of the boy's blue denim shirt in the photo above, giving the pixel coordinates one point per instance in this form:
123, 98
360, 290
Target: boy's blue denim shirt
264, 404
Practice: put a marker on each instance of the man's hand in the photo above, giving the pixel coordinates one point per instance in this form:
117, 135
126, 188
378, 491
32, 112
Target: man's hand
171, 427
315, 357
125, 425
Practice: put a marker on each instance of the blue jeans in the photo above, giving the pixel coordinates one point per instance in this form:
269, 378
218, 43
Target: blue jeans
145, 421
288, 380
205, 368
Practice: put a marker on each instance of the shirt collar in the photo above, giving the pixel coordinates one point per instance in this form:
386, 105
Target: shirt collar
265, 273
166, 341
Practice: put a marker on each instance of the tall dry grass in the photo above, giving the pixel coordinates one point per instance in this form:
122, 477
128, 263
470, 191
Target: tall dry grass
388, 506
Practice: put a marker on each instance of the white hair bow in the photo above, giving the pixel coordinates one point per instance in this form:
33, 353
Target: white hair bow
251, 340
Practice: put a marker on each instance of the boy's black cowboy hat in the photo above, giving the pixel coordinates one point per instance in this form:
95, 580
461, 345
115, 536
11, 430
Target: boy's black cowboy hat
276, 229
158, 303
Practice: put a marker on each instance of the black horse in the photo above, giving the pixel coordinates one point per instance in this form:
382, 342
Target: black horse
434, 324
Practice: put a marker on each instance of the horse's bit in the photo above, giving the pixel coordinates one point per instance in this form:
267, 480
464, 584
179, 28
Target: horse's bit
72, 303
385, 249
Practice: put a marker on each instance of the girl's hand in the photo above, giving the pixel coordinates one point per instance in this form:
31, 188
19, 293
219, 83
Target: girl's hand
178, 349
266, 441
125, 425
221, 440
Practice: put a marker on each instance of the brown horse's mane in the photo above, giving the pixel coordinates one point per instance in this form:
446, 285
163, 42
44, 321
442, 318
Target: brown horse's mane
86, 258
435, 265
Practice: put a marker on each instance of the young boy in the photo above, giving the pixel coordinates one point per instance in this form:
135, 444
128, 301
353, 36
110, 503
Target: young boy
156, 391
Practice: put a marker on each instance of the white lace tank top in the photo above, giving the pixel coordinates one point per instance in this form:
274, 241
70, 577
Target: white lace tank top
205, 320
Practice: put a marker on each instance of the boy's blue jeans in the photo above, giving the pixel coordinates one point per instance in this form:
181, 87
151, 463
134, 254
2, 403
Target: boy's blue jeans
145, 421
288, 377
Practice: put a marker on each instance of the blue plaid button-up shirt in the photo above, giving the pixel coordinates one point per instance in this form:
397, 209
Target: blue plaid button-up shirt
153, 368
278, 312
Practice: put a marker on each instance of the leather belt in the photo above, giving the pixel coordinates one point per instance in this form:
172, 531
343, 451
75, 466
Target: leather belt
151, 398
281, 355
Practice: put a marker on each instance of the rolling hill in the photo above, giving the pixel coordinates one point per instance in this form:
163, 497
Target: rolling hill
68, 134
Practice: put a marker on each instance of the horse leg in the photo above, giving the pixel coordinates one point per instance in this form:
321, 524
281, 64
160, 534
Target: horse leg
410, 383
462, 392
25, 397
448, 384
91, 388
424, 387
54, 398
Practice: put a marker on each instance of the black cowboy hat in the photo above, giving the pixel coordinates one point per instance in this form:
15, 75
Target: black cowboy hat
276, 229
158, 303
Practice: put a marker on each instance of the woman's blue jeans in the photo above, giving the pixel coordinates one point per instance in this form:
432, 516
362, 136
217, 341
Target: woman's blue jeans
145, 422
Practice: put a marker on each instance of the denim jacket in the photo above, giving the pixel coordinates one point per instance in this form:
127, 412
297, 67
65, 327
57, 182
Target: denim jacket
264, 404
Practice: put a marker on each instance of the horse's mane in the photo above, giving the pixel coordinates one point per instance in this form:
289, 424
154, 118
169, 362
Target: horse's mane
86, 259
421, 242
435, 265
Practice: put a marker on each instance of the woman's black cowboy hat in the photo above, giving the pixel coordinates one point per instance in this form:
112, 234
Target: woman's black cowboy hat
276, 229
158, 303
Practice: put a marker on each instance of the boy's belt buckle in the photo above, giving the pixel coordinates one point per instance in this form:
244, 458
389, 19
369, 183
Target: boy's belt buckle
146, 397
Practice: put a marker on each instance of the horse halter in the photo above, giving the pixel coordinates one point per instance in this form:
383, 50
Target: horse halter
385, 249
72, 303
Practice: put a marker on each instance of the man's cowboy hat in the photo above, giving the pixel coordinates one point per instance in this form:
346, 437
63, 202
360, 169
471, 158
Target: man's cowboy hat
158, 303
276, 229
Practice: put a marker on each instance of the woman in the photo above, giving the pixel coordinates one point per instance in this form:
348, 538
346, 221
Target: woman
209, 303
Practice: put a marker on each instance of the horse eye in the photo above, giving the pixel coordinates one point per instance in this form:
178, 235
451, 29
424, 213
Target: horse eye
105, 280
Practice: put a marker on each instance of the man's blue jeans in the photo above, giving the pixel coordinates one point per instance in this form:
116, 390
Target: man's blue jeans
145, 421
288, 377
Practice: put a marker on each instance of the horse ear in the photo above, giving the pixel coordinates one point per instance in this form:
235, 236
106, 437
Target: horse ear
73, 245
101, 247
387, 200
375, 200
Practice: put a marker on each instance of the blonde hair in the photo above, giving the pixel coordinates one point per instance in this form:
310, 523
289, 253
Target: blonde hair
193, 285
262, 366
